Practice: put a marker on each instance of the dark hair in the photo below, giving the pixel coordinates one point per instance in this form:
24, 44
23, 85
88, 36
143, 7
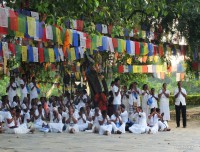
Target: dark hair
157, 109
116, 80
144, 86
18, 110
82, 109
39, 106
112, 83
152, 89
152, 109
123, 106
104, 112
164, 84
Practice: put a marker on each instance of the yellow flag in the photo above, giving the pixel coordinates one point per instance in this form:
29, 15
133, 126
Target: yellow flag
123, 43
73, 55
24, 53
99, 41
51, 55
146, 51
143, 34
135, 69
58, 36
31, 26
70, 36
158, 68
19, 34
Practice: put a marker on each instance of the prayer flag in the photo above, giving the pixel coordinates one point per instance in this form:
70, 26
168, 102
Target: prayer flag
80, 25
137, 48
144, 69
49, 32
119, 46
13, 20
41, 54
121, 69
31, 26
24, 54
57, 54
130, 68
18, 49
30, 54
61, 54
46, 55
35, 54
51, 55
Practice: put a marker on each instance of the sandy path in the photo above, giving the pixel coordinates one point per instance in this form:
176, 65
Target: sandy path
177, 140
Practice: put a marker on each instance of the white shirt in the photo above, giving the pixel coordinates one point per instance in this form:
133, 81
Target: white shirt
37, 114
180, 98
163, 96
113, 117
142, 120
124, 116
24, 90
33, 93
71, 123
117, 99
153, 120
154, 103
80, 120
11, 92
8, 116
105, 121
57, 120
27, 117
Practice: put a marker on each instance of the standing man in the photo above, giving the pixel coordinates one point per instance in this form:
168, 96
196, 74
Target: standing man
180, 104
33, 89
23, 87
11, 89
117, 94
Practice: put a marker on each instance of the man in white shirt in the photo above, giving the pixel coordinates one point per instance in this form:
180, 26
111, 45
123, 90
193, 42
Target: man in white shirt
33, 89
117, 94
11, 90
23, 87
180, 104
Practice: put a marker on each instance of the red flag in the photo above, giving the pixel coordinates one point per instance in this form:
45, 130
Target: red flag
80, 25
13, 20
115, 43
88, 42
121, 69
137, 48
41, 54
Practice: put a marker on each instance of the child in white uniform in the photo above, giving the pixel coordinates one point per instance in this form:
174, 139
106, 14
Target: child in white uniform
117, 123
71, 121
105, 124
141, 122
82, 123
95, 118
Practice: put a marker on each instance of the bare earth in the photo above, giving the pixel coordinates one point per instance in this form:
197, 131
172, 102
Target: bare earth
177, 140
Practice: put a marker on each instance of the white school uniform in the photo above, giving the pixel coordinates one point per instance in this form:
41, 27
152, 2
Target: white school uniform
56, 124
164, 105
105, 126
33, 93
145, 98
141, 125
24, 91
96, 124
21, 129
117, 99
114, 125
125, 100
153, 124
124, 116
11, 92
72, 125
39, 122
154, 103
81, 124
162, 125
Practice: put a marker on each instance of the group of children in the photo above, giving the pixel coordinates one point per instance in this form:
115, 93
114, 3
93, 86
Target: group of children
61, 114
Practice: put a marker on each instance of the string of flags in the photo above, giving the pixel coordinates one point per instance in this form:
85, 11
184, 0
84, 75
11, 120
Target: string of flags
73, 42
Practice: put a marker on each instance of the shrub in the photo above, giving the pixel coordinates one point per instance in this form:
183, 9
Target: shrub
190, 100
